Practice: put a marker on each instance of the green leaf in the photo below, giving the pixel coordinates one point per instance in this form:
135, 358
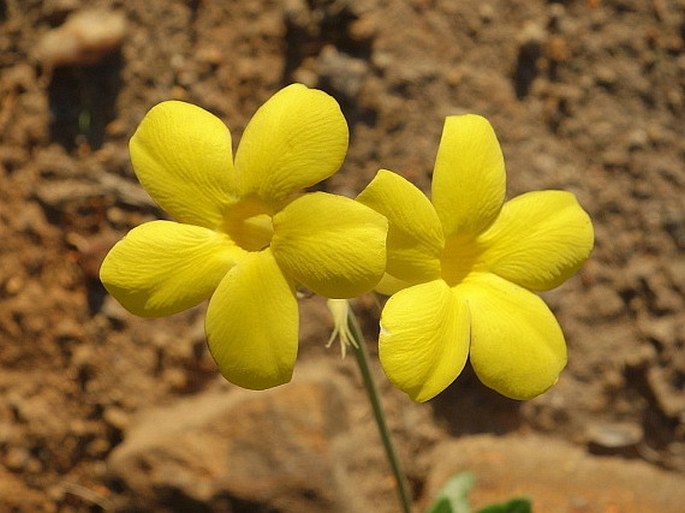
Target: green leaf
441, 506
520, 505
453, 497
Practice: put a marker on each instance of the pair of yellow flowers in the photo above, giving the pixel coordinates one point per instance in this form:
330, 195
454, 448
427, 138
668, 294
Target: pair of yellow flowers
461, 268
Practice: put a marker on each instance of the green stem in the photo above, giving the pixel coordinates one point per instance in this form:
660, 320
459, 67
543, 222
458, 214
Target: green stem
362, 355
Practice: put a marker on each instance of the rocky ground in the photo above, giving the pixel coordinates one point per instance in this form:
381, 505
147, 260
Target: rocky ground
104, 411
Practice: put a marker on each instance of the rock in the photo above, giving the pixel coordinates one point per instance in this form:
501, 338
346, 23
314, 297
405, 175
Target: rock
602, 302
15, 495
17, 458
84, 39
670, 400
556, 476
344, 73
532, 35
616, 438
225, 449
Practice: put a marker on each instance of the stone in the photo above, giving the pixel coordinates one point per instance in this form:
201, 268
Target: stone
224, 449
608, 438
15, 495
84, 39
346, 74
555, 475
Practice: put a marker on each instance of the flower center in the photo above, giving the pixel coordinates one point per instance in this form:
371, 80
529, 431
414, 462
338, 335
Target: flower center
460, 257
249, 225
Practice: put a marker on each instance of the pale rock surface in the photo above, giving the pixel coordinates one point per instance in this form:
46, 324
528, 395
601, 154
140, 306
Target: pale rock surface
556, 476
84, 39
231, 450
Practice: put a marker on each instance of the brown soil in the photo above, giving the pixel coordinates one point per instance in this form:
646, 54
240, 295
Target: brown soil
585, 95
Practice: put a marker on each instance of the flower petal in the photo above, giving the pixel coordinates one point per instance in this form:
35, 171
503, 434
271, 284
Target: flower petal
390, 285
539, 240
517, 347
296, 139
182, 156
469, 180
252, 324
332, 245
424, 339
415, 239
162, 267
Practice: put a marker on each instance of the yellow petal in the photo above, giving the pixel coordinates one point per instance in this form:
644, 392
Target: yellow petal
332, 245
415, 239
162, 267
469, 180
539, 240
182, 156
390, 285
517, 347
296, 139
252, 324
424, 339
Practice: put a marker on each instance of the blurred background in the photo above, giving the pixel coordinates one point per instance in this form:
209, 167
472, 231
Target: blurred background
102, 411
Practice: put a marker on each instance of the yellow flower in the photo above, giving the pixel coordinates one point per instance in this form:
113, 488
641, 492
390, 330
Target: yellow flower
244, 237
465, 268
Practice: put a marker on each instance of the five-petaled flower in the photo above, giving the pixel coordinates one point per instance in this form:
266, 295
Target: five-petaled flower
244, 236
464, 269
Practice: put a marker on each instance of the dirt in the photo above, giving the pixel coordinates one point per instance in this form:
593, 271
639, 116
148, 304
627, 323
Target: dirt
585, 95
